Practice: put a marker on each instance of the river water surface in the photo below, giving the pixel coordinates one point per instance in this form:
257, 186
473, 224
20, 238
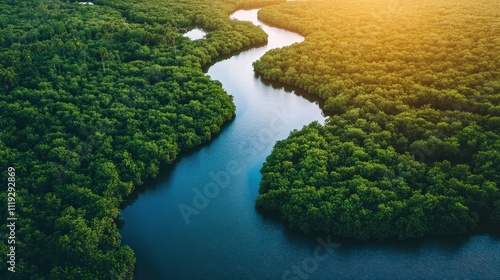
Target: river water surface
222, 236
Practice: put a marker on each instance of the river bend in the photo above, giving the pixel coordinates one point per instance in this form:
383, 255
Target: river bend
222, 236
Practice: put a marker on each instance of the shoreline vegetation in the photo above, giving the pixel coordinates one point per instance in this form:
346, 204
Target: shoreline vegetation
411, 147
95, 98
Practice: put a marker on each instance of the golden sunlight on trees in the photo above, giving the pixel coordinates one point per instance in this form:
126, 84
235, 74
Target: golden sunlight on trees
413, 88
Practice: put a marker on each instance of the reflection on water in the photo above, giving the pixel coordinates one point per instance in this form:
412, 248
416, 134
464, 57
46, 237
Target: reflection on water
195, 34
226, 237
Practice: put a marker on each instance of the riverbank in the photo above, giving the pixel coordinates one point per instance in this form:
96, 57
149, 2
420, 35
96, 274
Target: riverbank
227, 239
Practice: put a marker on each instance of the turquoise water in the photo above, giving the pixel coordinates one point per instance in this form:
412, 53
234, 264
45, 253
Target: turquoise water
198, 220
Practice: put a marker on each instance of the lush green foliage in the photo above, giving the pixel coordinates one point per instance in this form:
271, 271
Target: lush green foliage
368, 175
414, 90
391, 55
94, 99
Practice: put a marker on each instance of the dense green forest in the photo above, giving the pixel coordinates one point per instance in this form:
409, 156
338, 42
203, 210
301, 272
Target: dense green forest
94, 100
412, 144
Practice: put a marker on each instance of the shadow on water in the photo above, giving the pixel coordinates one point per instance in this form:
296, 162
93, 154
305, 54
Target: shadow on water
150, 184
291, 89
230, 242
485, 228
166, 170
445, 243
291, 235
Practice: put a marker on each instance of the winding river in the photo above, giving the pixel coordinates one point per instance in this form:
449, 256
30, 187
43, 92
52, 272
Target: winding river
198, 220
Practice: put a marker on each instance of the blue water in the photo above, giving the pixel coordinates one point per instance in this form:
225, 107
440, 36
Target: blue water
222, 236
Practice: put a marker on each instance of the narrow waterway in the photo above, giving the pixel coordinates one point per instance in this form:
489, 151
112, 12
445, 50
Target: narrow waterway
219, 234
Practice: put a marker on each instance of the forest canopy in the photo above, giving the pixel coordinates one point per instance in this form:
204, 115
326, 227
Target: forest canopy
413, 91
94, 100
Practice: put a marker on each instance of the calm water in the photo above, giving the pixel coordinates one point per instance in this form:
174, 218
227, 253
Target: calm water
195, 34
222, 236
